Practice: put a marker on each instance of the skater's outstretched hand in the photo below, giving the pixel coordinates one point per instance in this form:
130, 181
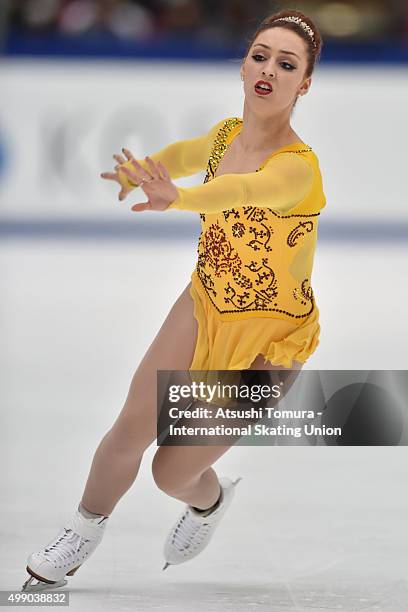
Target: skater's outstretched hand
156, 183
114, 176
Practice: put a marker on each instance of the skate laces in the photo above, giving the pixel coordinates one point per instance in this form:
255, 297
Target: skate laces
66, 546
187, 530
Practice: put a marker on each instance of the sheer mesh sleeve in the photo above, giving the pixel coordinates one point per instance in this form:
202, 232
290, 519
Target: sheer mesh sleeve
181, 158
284, 182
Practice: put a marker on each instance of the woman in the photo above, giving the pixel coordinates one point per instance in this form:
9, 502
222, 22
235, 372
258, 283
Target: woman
249, 304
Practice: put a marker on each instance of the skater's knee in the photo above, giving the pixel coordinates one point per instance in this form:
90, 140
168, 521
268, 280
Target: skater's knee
168, 477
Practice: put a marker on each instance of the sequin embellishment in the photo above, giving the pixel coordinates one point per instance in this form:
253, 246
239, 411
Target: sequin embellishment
242, 253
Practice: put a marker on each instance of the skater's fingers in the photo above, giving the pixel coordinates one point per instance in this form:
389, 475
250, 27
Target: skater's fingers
141, 206
119, 158
123, 193
139, 172
164, 171
128, 154
154, 170
131, 174
110, 176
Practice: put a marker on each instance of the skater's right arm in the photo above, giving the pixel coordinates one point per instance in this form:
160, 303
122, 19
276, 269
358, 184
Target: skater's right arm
181, 158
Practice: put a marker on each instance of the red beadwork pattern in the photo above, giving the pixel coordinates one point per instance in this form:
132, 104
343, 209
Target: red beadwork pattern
233, 286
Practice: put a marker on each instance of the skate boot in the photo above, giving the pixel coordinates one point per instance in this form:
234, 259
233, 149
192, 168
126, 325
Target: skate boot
62, 556
193, 530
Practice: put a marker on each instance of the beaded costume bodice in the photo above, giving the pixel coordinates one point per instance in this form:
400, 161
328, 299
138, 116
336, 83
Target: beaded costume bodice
254, 261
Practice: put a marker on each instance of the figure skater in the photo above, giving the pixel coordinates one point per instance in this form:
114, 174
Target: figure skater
249, 305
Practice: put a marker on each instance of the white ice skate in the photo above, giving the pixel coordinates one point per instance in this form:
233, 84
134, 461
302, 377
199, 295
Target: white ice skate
64, 554
193, 531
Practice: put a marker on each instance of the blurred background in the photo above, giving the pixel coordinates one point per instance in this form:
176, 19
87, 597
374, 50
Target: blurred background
85, 285
194, 28
80, 79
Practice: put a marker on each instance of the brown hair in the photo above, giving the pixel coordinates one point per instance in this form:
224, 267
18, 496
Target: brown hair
313, 47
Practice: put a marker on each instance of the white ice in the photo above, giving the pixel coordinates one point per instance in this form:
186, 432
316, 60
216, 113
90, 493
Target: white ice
313, 529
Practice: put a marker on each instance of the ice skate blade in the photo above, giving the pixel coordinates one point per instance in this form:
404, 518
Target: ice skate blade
44, 584
41, 586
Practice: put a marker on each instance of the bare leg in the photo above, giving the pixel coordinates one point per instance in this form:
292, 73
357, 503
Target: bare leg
184, 472
117, 459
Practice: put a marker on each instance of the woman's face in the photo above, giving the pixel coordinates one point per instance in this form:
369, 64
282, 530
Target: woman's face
269, 60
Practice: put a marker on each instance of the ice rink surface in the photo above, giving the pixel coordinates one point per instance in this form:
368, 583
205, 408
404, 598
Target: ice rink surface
310, 529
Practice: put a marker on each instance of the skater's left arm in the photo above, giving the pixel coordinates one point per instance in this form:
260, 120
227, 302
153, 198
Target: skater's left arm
284, 182
281, 185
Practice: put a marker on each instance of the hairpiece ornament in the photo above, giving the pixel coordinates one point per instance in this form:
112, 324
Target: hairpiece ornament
302, 24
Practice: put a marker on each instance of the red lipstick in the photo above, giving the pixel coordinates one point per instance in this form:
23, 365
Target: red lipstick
263, 88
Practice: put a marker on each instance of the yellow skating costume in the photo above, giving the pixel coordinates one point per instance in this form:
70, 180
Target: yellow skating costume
252, 282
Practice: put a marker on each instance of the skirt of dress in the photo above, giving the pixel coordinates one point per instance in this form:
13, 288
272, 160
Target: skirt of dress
234, 345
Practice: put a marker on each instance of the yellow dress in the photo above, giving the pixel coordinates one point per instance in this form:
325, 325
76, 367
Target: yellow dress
251, 286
